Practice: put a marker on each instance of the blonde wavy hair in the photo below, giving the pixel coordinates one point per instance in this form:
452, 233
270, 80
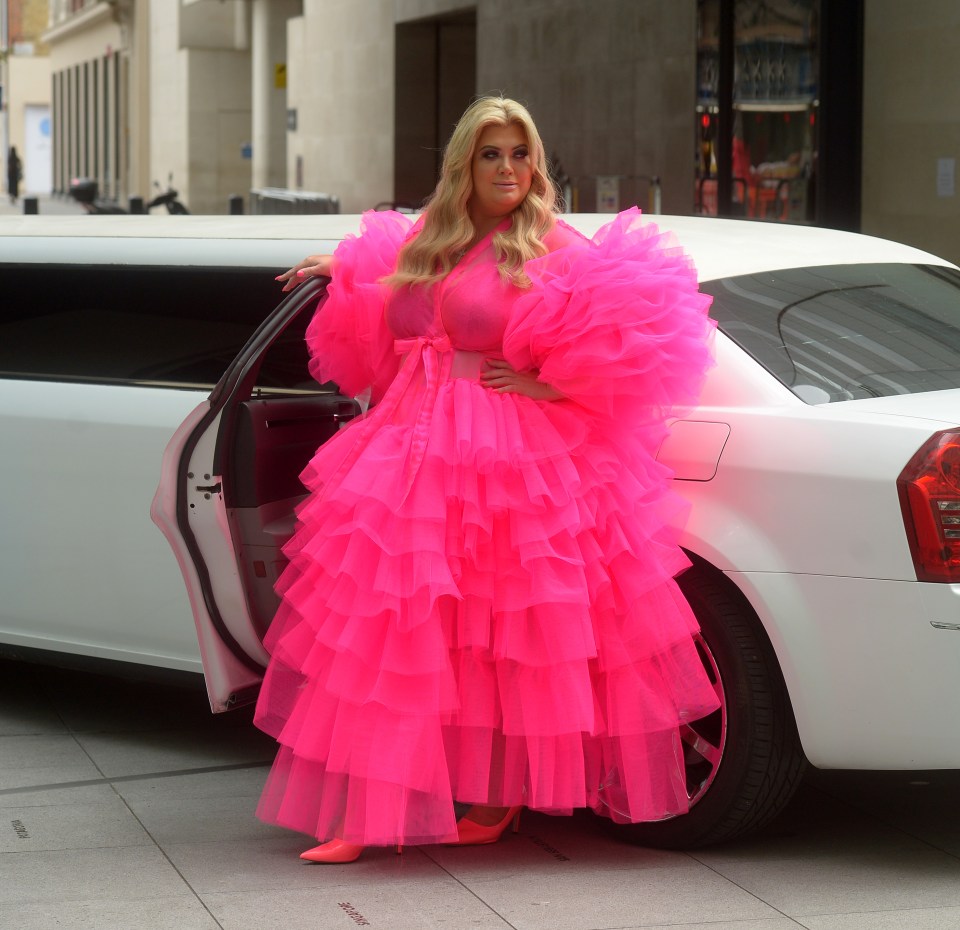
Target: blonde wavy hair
447, 228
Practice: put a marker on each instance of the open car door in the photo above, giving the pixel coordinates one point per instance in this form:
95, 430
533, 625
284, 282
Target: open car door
229, 486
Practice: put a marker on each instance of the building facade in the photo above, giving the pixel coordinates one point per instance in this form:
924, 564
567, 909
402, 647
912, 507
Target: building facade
911, 124
25, 92
611, 85
813, 111
97, 61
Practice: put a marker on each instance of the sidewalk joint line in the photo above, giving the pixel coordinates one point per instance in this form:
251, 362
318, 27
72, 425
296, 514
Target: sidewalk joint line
146, 776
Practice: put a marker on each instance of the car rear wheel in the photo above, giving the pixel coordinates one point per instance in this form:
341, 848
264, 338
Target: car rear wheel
744, 761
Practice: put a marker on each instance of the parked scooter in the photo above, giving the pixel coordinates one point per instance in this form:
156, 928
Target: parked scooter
85, 192
168, 198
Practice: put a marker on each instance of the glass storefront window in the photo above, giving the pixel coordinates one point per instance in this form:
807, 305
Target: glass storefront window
773, 111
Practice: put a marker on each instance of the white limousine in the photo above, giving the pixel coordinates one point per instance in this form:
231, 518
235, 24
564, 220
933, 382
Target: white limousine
822, 466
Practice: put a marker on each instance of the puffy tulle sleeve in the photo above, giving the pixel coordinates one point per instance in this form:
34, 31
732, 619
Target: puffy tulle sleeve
616, 323
348, 338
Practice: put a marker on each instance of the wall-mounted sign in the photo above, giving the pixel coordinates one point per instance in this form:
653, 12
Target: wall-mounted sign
608, 193
946, 177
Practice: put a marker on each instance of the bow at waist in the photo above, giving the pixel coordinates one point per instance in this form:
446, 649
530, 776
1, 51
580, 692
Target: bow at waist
462, 363
439, 361
418, 343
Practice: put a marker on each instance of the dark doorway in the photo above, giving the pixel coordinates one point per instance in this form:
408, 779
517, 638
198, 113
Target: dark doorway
436, 78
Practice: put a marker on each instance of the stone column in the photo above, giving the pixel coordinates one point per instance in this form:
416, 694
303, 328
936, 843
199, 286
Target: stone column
269, 50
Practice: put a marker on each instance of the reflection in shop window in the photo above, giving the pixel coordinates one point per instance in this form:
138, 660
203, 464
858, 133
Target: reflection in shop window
774, 114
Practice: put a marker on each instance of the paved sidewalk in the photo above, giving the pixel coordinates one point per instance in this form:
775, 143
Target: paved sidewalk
127, 805
47, 204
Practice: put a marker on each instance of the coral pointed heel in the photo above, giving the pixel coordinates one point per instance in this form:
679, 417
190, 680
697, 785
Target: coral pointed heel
336, 851
333, 851
470, 833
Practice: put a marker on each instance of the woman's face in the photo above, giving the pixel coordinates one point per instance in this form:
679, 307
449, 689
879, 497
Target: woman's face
501, 175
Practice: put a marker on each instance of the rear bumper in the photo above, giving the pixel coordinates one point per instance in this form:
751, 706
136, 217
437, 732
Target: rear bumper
873, 682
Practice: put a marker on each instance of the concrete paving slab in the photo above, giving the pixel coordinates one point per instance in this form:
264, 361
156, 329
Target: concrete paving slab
552, 846
814, 822
180, 913
921, 804
246, 782
24, 708
397, 906
772, 923
98, 704
42, 797
46, 204
274, 864
28, 761
153, 751
83, 825
855, 851
604, 900
936, 918
131, 873
36, 720
198, 820
835, 882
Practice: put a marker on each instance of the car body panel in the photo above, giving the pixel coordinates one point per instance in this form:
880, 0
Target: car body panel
204, 527
795, 503
693, 448
77, 469
737, 247
719, 248
941, 407
864, 667
187, 472
809, 490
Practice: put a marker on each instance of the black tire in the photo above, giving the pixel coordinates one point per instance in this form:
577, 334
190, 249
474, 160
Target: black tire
761, 762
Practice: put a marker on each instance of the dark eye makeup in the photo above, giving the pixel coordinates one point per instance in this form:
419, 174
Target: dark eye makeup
519, 152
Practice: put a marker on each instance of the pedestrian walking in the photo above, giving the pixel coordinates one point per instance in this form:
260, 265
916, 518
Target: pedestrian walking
14, 174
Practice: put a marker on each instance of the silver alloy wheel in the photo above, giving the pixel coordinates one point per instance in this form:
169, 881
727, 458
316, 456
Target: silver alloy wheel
705, 740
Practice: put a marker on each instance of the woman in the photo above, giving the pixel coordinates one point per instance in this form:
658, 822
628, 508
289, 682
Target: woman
480, 602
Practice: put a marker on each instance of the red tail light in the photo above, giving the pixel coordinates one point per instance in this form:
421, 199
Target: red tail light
930, 500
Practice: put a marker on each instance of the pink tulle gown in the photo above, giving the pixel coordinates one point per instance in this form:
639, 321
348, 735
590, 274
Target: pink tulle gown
480, 603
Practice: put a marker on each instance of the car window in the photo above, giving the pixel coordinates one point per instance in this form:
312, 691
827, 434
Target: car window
844, 332
143, 325
284, 364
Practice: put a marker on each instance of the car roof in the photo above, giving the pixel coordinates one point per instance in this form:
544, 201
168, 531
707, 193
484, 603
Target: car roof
720, 248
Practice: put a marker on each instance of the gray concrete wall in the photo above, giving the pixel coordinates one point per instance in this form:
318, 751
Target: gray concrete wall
611, 84
911, 120
218, 124
200, 95
340, 57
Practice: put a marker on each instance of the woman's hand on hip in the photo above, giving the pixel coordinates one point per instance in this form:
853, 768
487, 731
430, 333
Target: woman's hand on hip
501, 377
312, 266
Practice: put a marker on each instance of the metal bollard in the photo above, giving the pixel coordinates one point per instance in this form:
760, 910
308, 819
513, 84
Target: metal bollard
656, 195
30, 206
135, 205
235, 205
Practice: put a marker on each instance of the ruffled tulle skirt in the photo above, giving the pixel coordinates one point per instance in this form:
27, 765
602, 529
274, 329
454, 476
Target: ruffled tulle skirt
479, 607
